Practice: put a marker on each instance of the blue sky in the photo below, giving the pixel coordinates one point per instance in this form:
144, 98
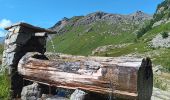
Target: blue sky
45, 13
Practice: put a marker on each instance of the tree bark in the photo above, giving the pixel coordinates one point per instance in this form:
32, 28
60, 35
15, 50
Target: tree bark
123, 77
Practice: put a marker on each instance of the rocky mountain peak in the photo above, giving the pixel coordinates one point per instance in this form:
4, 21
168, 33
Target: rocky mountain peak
99, 16
140, 15
65, 19
60, 24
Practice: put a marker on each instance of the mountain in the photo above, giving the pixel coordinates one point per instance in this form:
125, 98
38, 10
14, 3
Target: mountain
80, 35
125, 22
153, 40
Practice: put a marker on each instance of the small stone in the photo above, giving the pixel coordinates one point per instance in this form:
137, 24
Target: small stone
43, 34
78, 95
39, 99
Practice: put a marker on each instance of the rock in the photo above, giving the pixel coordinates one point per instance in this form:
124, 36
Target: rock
105, 48
12, 48
160, 10
88, 30
111, 19
56, 98
92, 65
140, 16
51, 97
159, 23
160, 94
10, 58
159, 42
30, 92
44, 96
40, 34
78, 95
157, 69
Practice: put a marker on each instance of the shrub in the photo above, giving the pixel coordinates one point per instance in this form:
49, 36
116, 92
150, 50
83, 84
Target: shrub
164, 34
158, 17
145, 29
106, 54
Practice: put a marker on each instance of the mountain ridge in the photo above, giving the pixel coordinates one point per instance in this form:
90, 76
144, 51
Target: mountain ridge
136, 18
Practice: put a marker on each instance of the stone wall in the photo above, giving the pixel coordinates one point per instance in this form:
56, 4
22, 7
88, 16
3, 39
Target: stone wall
21, 38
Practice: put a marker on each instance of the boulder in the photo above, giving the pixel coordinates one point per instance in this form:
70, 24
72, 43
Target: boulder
30, 92
159, 42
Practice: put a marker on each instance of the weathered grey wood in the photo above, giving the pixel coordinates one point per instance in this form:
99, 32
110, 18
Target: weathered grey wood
118, 76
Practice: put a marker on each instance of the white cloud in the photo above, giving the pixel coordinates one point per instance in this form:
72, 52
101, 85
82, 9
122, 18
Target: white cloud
4, 23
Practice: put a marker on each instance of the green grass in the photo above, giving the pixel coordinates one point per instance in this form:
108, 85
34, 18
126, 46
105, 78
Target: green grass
4, 82
159, 83
135, 47
1, 48
153, 32
163, 60
4, 87
79, 42
142, 46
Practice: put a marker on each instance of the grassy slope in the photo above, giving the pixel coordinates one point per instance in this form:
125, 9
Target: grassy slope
84, 43
153, 32
138, 47
162, 59
142, 47
79, 42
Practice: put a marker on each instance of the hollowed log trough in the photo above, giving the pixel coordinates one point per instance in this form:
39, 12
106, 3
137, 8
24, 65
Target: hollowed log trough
123, 77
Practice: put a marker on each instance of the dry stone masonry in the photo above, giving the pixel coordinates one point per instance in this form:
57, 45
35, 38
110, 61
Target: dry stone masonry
21, 38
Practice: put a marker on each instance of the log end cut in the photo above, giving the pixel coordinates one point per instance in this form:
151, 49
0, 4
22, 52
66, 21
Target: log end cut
145, 80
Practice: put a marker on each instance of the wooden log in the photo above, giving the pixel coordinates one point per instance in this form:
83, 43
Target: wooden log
123, 77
